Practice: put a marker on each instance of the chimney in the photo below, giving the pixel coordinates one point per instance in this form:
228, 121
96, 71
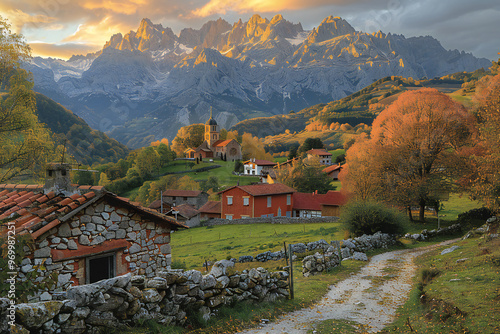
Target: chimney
57, 178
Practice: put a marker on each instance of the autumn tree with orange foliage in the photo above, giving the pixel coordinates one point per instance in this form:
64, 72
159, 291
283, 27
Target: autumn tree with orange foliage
414, 153
484, 181
253, 148
190, 136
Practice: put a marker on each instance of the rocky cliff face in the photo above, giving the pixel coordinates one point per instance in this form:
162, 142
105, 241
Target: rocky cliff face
146, 84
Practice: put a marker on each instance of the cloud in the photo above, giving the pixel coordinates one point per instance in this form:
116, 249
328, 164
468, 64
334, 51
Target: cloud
127, 7
18, 19
264, 6
62, 50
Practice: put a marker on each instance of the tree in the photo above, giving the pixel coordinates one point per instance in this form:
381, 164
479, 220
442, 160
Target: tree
293, 151
190, 136
25, 143
414, 150
103, 180
305, 177
212, 183
166, 155
253, 147
484, 181
147, 162
309, 144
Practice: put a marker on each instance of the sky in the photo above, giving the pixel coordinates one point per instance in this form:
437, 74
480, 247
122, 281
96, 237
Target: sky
61, 28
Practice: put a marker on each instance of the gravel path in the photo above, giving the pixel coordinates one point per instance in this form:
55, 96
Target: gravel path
370, 297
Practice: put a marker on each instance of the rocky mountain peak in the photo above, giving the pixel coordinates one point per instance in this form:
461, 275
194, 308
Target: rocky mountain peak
256, 26
276, 18
329, 28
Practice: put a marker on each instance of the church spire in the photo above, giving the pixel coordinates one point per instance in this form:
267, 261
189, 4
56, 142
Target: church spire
210, 111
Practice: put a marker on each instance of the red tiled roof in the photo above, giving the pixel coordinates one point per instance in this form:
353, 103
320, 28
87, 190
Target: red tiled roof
332, 168
261, 162
311, 201
316, 151
181, 193
264, 189
211, 207
34, 212
222, 143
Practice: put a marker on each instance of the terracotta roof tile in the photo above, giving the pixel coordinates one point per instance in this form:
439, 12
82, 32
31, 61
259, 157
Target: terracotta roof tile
35, 213
21, 186
84, 187
316, 151
98, 188
264, 189
311, 201
211, 207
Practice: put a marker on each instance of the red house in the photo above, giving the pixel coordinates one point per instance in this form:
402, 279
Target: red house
259, 200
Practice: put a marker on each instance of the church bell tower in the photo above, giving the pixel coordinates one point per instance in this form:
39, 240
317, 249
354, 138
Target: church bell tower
211, 130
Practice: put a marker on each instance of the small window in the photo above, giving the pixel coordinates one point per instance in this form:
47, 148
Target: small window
288, 199
229, 200
246, 201
185, 198
279, 212
245, 216
269, 201
101, 267
229, 217
289, 214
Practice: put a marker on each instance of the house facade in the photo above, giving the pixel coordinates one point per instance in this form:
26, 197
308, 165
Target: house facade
259, 200
309, 205
213, 147
257, 167
83, 234
325, 157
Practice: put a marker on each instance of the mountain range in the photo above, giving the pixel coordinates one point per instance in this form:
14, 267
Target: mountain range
146, 84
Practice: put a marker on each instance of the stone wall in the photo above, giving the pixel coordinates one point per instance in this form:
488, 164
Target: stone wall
426, 234
350, 249
139, 246
273, 220
128, 300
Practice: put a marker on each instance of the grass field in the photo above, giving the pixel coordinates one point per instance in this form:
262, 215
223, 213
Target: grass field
464, 295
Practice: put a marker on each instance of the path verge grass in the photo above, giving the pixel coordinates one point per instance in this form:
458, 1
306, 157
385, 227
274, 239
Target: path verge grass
463, 298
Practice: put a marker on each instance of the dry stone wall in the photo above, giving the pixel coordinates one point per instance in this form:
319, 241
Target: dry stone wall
129, 300
350, 249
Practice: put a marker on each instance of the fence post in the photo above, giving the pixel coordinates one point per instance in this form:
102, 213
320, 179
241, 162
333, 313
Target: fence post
286, 254
340, 252
290, 254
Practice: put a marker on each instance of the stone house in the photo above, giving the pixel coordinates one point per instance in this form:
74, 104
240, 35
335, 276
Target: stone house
185, 214
333, 171
211, 209
325, 157
176, 197
83, 233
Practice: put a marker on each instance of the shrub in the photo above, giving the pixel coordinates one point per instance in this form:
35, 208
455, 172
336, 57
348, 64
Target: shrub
370, 217
474, 217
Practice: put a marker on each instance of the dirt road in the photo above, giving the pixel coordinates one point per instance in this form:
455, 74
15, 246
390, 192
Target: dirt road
370, 297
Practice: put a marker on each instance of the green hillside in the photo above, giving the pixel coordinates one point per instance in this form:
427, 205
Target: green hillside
360, 107
86, 145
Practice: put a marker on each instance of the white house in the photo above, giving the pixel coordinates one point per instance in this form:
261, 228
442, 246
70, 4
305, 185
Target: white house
255, 166
325, 157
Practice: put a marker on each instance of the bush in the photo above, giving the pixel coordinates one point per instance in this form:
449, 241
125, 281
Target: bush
474, 217
370, 217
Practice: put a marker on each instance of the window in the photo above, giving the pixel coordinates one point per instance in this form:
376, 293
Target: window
269, 201
215, 137
245, 216
229, 200
246, 201
288, 199
100, 267
289, 214
185, 198
229, 217
213, 128
279, 212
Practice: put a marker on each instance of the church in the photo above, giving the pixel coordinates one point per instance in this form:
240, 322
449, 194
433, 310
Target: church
212, 147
